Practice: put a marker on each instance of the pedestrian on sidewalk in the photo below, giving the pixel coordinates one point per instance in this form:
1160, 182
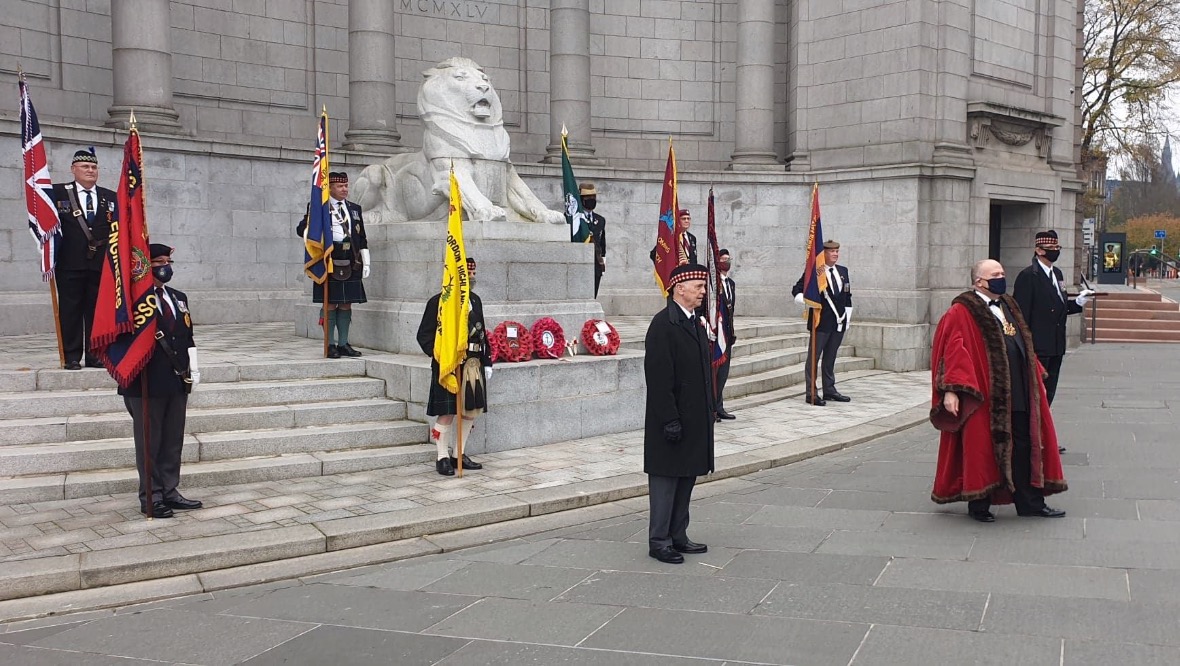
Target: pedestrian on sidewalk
1040, 293
998, 444
350, 265
678, 425
477, 370
171, 373
828, 326
729, 298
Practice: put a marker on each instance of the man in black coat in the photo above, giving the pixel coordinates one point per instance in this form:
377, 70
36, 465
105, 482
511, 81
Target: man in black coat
171, 373
477, 370
827, 324
729, 300
86, 212
597, 225
1040, 293
678, 424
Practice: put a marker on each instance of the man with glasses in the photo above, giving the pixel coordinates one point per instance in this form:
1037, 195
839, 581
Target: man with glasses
87, 213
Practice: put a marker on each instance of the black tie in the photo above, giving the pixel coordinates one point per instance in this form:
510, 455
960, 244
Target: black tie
994, 304
89, 206
165, 310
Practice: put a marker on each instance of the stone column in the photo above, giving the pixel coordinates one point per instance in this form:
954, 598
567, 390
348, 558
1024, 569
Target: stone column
372, 122
569, 81
142, 65
754, 144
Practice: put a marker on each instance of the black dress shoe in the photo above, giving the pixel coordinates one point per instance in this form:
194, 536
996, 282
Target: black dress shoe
722, 414
347, 350
690, 548
159, 510
982, 516
837, 397
1045, 512
333, 351
818, 402
73, 365
444, 467
183, 503
667, 555
1061, 449
468, 463
93, 363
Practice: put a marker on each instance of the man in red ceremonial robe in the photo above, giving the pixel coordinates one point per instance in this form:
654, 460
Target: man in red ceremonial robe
998, 444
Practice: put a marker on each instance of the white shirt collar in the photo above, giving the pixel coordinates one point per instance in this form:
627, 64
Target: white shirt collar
1047, 268
687, 313
92, 190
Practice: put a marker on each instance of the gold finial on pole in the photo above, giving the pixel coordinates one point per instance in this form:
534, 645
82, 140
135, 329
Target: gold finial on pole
564, 132
131, 120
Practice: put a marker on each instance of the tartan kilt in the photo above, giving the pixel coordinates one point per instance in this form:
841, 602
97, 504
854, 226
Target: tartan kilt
440, 401
351, 290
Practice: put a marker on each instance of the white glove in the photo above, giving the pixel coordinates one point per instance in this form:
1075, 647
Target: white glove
799, 298
1081, 298
367, 265
847, 316
487, 374
194, 368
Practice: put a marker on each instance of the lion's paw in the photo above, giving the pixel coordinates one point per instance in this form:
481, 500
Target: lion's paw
550, 216
489, 214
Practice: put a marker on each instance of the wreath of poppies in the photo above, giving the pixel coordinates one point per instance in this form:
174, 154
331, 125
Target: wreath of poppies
548, 338
600, 343
515, 349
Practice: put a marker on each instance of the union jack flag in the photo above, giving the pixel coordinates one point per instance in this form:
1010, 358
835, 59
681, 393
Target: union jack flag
43, 221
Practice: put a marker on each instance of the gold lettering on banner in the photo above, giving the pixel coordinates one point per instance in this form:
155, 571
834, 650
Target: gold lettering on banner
464, 10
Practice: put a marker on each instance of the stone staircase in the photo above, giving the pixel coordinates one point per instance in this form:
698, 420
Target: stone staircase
66, 434
1134, 316
768, 359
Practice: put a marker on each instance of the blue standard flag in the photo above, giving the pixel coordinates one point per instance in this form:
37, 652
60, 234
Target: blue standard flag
815, 277
317, 239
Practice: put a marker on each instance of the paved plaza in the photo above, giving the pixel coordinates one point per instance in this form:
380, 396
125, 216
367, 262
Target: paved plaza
839, 559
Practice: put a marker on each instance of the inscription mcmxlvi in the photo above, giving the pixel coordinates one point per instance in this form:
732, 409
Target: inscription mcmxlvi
463, 10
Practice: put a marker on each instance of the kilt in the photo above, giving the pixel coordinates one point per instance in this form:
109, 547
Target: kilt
441, 401
351, 290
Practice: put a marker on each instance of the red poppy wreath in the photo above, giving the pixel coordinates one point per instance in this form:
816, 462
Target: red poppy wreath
548, 338
511, 341
600, 337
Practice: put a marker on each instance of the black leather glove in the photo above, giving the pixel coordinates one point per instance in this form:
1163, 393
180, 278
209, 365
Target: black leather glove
672, 431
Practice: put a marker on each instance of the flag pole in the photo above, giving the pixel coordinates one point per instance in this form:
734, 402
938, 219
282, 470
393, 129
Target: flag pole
147, 434
459, 420
61, 351
812, 361
324, 313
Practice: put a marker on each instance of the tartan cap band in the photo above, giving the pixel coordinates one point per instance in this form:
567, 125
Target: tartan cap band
1047, 240
686, 272
86, 156
337, 177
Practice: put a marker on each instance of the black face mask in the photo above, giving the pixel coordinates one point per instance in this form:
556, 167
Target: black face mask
1052, 255
589, 203
997, 286
162, 273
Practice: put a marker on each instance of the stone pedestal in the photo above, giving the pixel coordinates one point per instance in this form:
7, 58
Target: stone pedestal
525, 271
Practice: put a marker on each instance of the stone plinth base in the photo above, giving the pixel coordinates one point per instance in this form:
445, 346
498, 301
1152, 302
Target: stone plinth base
895, 347
537, 402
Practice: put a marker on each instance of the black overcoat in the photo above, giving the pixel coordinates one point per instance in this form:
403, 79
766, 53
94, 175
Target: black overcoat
1044, 307
441, 401
679, 386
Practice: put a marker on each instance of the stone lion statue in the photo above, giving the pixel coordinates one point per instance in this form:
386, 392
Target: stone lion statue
464, 127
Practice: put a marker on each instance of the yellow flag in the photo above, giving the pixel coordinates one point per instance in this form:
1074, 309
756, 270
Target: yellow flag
450, 335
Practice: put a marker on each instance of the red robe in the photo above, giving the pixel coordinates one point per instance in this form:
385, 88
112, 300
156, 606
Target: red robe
975, 450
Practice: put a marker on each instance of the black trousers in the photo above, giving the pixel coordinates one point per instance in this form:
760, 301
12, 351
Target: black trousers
597, 278
827, 344
668, 498
77, 293
1053, 367
165, 432
722, 377
1026, 498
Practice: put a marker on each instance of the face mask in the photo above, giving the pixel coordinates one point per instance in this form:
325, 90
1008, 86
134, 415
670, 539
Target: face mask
589, 203
1052, 255
162, 273
723, 265
997, 286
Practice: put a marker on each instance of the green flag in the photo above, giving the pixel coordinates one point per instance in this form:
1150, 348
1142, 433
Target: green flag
575, 215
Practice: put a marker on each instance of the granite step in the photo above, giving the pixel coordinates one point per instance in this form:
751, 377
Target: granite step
767, 361
1120, 304
785, 376
1125, 313
85, 427
119, 452
1105, 334
1140, 324
55, 379
71, 485
791, 392
40, 404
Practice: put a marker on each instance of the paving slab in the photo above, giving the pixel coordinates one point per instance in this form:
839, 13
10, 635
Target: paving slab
996, 577
1145, 622
876, 605
349, 646
671, 591
508, 581
524, 621
906, 646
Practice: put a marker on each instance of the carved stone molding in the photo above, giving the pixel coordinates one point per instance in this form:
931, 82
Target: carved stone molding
1011, 126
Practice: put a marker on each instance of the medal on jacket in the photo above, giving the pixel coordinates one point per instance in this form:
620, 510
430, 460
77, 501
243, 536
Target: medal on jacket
1009, 329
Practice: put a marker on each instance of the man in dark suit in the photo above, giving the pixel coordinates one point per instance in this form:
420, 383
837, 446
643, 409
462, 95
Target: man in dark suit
350, 261
86, 212
678, 425
597, 231
688, 242
171, 373
728, 300
476, 371
1040, 293
827, 325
